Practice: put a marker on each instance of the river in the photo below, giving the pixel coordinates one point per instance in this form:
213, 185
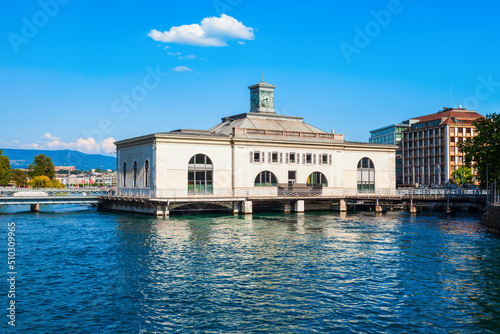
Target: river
78, 270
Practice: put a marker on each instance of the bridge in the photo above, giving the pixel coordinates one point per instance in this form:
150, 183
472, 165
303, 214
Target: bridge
45, 196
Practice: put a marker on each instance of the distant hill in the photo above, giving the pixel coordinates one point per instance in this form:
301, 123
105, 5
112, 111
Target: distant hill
24, 158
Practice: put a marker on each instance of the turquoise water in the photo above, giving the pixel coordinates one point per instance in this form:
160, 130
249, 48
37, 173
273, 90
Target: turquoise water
83, 271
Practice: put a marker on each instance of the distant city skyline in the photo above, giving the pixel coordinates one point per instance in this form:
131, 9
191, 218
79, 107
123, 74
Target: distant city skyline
81, 75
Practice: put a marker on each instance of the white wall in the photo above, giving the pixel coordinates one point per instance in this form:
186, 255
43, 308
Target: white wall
137, 153
384, 163
172, 165
169, 171
246, 172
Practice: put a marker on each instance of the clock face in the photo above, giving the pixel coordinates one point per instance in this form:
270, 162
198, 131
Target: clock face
254, 100
266, 99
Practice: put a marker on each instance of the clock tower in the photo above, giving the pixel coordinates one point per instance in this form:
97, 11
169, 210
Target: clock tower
262, 98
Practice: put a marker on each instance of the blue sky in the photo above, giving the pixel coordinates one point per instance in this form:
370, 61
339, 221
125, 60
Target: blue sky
67, 67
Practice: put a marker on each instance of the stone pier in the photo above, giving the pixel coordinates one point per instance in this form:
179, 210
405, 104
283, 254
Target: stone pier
299, 206
491, 218
343, 206
247, 207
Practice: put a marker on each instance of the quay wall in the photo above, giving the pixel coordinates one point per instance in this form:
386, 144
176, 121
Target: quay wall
491, 218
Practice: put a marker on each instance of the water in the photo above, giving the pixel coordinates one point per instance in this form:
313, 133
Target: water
82, 271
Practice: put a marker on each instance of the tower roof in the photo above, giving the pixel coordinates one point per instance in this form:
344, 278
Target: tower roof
262, 84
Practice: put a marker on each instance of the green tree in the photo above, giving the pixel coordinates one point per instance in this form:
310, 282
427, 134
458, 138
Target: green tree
483, 150
4, 169
41, 181
19, 177
42, 165
467, 173
57, 184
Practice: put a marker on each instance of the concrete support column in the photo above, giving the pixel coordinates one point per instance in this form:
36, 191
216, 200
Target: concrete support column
247, 207
288, 207
343, 206
299, 206
236, 208
413, 210
35, 207
162, 210
378, 209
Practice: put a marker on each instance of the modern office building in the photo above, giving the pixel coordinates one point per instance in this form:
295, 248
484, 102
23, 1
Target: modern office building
253, 153
392, 134
430, 146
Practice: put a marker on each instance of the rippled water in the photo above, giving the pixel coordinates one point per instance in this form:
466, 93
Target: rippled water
82, 271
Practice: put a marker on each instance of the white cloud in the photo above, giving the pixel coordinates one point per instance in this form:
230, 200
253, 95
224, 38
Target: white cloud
174, 53
213, 31
187, 57
182, 69
50, 137
108, 145
50, 142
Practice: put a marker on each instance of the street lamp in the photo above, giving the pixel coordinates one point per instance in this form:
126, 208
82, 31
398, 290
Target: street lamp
487, 188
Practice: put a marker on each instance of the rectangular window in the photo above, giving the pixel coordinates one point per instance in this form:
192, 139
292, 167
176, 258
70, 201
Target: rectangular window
274, 157
452, 139
324, 159
256, 156
309, 158
468, 130
292, 158
291, 176
452, 158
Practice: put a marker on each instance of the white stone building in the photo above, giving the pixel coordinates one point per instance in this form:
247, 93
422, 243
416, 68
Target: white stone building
252, 154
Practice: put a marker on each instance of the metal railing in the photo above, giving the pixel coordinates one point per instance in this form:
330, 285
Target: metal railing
55, 192
277, 192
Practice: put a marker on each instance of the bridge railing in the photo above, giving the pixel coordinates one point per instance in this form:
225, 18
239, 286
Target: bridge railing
54, 192
135, 192
275, 192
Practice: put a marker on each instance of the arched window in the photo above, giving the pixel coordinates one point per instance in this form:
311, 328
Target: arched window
317, 178
146, 173
135, 173
124, 174
366, 175
266, 179
200, 175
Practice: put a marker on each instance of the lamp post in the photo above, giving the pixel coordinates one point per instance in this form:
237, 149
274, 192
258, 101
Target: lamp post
487, 188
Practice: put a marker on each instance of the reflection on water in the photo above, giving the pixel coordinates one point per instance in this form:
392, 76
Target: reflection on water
98, 272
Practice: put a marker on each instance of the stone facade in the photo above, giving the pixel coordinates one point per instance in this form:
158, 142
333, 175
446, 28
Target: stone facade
491, 218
